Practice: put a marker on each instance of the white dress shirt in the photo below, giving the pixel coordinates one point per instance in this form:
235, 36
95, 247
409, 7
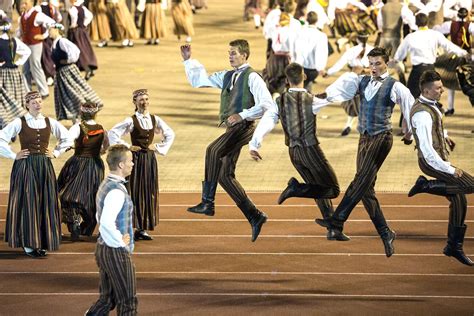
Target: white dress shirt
311, 48
73, 13
126, 127
423, 123
351, 58
22, 50
14, 128
423, 45
283, 41
69, 48
198, 78
113, 204
342, 5
271, 117
347, 85
451, 7
431, 6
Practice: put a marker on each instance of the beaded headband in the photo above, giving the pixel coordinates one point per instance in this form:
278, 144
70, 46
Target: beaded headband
89, 107
139, 92
32, 95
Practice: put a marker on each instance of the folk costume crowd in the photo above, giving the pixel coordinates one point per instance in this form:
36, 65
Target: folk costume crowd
123, 206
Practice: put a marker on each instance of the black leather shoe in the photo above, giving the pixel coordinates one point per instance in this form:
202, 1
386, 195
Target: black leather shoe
388, 239
449, 112
346, 131
336, 234
257, 226
141, 235
75, 231
42, 252
34, 254
325, 222
418, 187
203, 208
458, 254
289, 191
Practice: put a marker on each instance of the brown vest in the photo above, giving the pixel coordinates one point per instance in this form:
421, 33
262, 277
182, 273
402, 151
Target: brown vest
36, 140
29, 30
89, 145
142, 137
437, 132
392, 22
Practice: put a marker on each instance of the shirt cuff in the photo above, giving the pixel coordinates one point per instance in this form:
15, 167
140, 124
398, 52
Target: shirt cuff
56, 153
451, 170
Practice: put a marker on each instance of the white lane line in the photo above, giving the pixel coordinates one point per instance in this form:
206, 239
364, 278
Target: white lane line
273, 273
297, 220
427, 206
265, 294
302, 236
280, 254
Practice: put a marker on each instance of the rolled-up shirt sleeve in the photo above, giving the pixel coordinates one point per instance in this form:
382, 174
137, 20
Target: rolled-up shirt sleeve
422, 122
23, 51
6, 135
65, 141
108, 230
116, 133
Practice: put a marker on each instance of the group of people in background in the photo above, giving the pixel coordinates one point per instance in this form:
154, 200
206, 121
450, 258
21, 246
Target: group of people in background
298, 48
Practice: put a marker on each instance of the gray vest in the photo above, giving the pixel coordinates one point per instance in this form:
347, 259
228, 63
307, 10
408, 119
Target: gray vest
392, 22
297, 118
375, 115
124, 218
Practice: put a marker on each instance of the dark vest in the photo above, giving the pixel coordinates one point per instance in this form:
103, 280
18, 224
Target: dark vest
142, 137
297, 118
375, 115
392, 22
124, 217
239, 98
80, 16
90, 145
58, 54
7, 53
29, 30
437, 132
36, 140
460, 34
46, 9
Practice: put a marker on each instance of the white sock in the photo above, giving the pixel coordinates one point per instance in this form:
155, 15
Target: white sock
450, 99
256, 20
349, 121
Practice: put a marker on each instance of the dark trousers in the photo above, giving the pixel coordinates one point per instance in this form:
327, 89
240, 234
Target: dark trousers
117, 282
314, 168
311, 75
457, 188
371, 154
221, 159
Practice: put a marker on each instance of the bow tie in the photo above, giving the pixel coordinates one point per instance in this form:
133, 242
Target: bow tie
377, 79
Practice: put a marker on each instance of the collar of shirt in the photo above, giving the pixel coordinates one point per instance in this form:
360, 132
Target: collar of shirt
90, 122
427, 101
117, 178
143, 115
30, 11
296, 89
30, 117
381, 78
242, 68
4, 36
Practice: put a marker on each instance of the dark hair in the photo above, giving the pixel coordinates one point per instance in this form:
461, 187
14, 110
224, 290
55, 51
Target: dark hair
116, 155
428, 77
421, 19
312, 18
294, 73
242, 45
379, 51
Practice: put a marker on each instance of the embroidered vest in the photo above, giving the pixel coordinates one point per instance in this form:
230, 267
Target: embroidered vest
142, 137
36, 140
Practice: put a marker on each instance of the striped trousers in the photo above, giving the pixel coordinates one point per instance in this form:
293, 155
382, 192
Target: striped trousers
314, 168
117, 282
221, 159
457, 188
371, 154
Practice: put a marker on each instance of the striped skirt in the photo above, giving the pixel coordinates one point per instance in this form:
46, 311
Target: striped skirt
121, 21
347, 22
182, 18
100, 28
153, 22
446, 66
70, 91
80, 37
78, 183
143, 189
33, 214
12, 81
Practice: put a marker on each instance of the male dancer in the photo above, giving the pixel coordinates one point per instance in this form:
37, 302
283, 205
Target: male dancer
115, 243
297, 110
378, 93
451, 182
244, 97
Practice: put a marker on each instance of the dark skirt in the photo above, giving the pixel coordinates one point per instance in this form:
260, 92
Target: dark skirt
274, 73
446, 66
78, 183
80, 37
143, 187
47, 59
70, 91
33, 214
466, 80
